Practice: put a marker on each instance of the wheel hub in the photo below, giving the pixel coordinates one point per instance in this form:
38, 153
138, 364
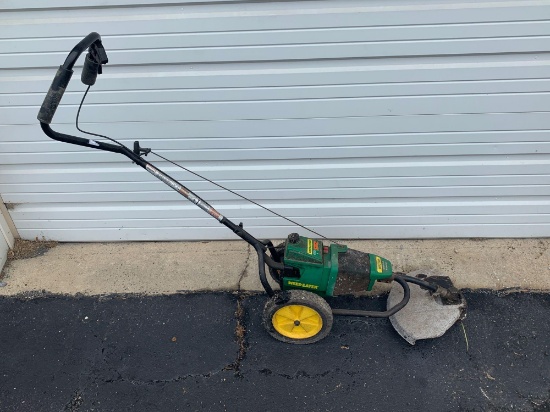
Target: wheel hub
297, 321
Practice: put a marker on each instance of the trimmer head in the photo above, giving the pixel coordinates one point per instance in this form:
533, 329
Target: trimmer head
427, 315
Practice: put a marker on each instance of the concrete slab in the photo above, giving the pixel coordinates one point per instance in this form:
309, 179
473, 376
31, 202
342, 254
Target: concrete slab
148, 268
170, 267
471, 263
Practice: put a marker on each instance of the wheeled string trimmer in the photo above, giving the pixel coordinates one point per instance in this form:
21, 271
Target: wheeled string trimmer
305, 269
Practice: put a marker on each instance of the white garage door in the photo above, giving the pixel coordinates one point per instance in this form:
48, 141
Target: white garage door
361, 119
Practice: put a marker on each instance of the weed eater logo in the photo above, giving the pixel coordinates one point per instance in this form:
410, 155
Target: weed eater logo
302, 285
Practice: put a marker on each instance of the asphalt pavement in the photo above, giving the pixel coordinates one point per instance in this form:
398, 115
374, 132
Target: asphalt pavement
210, 352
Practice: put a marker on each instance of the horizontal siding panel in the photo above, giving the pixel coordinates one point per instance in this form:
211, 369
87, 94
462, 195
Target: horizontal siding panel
235, 148
483, 166
294, 109
310, 153
185, 224
408, 48
64, 4
266, 37
375, 5
252, 142
505, 87
464, 123
260, 195
346, 232
265, 15
388, 120
373, 73
173, 210
65, 189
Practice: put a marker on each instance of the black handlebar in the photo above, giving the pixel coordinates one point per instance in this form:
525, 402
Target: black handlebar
94, 59
77, 50
92, 67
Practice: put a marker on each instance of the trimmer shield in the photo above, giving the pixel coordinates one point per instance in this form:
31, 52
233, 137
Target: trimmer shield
426, 316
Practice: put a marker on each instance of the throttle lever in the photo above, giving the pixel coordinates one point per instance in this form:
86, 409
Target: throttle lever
101, 53
95, 58
90, 70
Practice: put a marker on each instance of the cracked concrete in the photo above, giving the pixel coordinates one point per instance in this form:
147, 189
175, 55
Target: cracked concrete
172, 267
245, 268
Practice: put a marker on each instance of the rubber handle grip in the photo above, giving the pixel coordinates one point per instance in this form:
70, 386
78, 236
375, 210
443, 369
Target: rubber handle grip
54, 95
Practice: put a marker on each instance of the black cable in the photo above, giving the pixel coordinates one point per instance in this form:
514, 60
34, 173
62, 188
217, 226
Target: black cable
419, 282
84, 131
196, 174
243, 197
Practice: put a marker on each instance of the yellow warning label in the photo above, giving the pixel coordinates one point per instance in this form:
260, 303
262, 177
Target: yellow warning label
378, 264
309, 247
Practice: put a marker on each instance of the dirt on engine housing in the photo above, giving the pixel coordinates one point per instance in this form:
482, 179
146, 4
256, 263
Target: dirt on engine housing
358, 271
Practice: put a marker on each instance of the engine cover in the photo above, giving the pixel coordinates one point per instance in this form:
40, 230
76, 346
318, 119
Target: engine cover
331, 270
358, 271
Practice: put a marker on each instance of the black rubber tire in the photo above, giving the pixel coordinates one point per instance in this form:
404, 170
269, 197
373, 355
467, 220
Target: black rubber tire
297, 297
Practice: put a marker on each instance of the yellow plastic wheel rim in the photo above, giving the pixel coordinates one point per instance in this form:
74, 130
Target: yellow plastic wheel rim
297, 321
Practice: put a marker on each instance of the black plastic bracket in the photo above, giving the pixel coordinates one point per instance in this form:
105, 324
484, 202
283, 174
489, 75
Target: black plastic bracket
138, 150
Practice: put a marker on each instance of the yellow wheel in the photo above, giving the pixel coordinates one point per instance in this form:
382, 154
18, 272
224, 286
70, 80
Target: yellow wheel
297, 316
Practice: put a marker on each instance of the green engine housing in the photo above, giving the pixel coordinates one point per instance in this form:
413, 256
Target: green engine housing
331, 270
